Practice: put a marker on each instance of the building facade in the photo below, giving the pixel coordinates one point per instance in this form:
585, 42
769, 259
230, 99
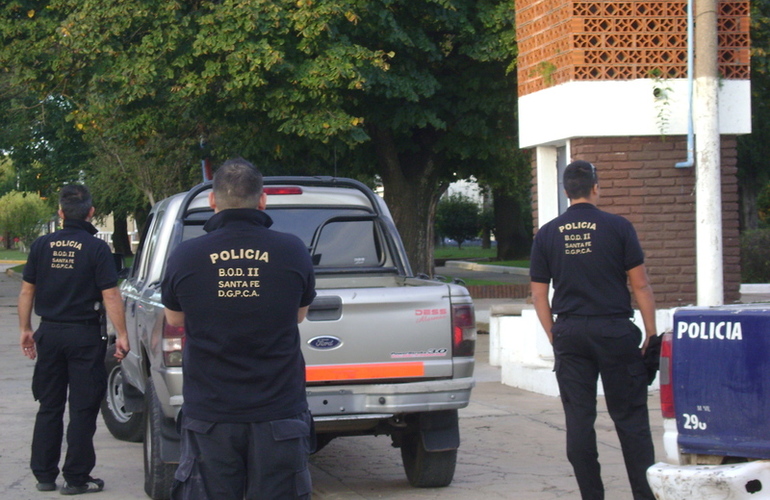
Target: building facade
607, 82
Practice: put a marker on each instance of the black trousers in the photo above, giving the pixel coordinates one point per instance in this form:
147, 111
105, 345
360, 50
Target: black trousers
255, 460
585, 347
69, 357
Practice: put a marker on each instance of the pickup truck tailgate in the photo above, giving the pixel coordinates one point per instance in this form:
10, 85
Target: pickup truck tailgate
721, 379
389, 333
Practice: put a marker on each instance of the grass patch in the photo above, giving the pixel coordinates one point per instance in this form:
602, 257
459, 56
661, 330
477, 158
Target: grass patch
12, 255
445, 253
468, 252
473, 282
21, 256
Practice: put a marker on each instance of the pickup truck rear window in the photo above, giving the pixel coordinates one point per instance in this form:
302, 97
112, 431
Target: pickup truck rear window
336, 237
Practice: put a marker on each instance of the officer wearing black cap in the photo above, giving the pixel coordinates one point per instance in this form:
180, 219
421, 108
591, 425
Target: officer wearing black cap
591, 257
240, 292
68, 274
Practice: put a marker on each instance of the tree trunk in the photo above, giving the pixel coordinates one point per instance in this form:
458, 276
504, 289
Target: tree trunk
511, 232
412, 189
120, 240
486, 239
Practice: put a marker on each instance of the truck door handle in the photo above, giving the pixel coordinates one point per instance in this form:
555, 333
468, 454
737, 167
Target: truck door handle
325, 308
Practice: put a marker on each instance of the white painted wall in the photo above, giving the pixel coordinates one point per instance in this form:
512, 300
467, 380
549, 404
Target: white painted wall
518, 344
547, 184
623, 108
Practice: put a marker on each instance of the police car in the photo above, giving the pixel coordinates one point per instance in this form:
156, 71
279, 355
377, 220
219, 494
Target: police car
715, 399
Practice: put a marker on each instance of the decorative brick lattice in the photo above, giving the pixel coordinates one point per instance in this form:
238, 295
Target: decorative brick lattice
562, 40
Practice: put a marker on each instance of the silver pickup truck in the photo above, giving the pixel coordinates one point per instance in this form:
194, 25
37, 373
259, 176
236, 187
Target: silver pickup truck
386, 352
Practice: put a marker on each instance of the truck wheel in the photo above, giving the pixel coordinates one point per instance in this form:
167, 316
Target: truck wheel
426, 469
158, 475
122, 424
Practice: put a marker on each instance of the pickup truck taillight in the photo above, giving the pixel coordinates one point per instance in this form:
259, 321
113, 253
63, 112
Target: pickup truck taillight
666, 385
463, 330
273, 190
172, 344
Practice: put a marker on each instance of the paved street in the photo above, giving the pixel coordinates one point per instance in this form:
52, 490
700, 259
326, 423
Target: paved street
512, 443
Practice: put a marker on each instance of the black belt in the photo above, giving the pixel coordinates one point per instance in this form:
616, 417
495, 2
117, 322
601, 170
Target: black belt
598, 316
82, 322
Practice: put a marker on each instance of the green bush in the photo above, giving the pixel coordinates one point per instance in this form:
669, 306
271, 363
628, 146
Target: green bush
457, 218
755, 256
763, 205
22, 216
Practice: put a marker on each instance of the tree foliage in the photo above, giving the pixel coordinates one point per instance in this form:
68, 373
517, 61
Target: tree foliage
754, 149
443, 110
458, 218
418, 92
46, 150
511, 186
22, 216
755, 256
7, 175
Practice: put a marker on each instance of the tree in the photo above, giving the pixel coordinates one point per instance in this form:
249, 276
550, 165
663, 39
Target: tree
417, 92
442, 110
7, 175
512, 206
47, 151
22, 216
487, 224
457, 218
151, 81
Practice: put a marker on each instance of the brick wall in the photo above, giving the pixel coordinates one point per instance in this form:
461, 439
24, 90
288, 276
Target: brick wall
512, 291
638, 180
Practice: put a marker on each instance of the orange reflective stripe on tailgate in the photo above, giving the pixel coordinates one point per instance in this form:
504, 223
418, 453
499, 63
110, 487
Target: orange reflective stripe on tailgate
364, 371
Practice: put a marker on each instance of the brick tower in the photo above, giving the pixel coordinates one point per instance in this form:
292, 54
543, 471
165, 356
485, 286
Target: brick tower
606, 82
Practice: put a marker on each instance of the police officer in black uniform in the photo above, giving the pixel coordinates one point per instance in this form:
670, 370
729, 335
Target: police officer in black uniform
240, 292
68, 274
591, 256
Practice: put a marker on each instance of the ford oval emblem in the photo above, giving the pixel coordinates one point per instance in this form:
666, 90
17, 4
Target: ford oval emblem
324, 343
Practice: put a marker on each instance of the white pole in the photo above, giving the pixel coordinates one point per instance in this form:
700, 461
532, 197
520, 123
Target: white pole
708, 182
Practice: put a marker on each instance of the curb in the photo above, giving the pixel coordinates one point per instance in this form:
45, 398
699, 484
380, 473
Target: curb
10, 272
750, 288
475, 266
13, 274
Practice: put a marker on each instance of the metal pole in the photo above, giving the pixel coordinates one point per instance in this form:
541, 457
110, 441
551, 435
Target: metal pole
708, 182
690, 161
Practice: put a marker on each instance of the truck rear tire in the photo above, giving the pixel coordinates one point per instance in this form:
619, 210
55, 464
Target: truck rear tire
426, 469
158, 475
122, 424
